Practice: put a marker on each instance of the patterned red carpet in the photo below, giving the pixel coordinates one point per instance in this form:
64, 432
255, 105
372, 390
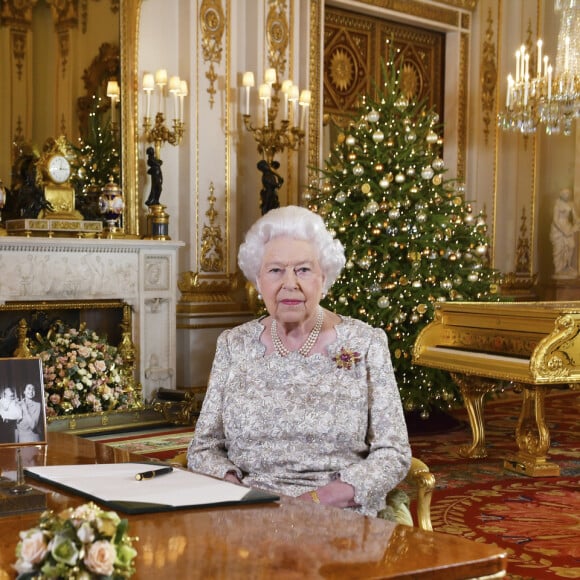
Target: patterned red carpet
537, 520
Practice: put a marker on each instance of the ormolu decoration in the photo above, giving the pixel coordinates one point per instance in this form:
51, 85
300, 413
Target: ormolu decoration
532, 345
488, 76
211, 17
212, 241
277, 36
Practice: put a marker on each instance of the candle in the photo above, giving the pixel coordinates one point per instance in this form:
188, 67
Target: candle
527, 66
549, 82
545, 66
539, 63
526, 90
183, 92
293, 98
286, 86
566, 53
113, 94
148, 87
265, 94
174, 89
517, 66
509, 91
522, 61
248, 82
305, 98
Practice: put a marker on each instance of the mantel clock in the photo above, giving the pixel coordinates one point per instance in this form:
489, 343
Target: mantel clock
53, 176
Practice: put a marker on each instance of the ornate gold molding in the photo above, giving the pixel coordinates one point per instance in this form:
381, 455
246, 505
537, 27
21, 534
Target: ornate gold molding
17, 16
198, 290
212, 241
277, 36
488, 77
211, 18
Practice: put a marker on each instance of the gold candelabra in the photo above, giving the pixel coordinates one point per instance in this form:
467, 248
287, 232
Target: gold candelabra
289, 134
158, 133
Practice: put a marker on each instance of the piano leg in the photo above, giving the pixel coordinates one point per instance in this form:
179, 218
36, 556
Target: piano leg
473, 390
532, 436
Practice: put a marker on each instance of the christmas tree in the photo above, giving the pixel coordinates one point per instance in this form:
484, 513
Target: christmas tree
96, 162
411, 238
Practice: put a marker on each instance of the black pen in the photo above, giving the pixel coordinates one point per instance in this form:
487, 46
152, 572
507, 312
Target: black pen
154, 473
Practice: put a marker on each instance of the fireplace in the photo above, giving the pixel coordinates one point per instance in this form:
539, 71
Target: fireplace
85, 272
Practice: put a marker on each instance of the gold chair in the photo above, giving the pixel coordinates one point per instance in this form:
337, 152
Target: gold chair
419, 478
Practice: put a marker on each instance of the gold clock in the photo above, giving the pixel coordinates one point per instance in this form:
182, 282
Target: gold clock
53, 175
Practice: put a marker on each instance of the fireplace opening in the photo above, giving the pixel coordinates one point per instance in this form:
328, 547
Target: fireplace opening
105, 317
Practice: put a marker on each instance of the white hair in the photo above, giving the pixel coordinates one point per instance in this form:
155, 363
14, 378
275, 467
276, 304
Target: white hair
294, 222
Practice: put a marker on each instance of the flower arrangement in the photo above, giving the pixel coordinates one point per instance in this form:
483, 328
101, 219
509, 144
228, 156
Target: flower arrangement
82, 372
346, 358
78, 544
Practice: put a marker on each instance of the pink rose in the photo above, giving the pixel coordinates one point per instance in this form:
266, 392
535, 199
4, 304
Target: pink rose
33, 548
101, 557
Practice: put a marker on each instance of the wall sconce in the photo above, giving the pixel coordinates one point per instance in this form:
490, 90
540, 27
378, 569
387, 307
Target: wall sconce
177, 89
270, 138
113, 92
290, 134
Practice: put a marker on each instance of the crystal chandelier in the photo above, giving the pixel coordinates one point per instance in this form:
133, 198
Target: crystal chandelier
551, 97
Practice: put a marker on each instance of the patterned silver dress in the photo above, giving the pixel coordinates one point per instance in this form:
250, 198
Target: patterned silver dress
292, 424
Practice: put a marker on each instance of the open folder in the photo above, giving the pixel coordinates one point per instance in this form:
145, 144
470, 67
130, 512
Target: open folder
115, 485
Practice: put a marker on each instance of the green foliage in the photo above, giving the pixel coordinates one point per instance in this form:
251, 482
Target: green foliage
410, 236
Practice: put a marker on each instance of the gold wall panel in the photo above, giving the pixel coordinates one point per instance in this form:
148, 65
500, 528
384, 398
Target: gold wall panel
353, 47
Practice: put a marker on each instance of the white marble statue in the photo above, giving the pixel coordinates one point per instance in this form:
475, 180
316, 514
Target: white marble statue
565, 225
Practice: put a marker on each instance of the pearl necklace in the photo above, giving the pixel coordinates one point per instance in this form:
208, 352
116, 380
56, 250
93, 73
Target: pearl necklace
305, 349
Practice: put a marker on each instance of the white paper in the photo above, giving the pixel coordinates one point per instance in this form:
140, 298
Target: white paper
115, 482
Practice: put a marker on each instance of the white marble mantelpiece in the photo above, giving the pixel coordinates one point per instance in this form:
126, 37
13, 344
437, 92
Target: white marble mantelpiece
142, 273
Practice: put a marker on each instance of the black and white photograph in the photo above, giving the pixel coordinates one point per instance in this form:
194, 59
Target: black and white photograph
22, 411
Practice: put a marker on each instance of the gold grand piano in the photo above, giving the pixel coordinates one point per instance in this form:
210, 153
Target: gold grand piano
533, 345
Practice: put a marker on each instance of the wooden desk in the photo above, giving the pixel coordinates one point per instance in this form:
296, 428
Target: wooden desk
284, 540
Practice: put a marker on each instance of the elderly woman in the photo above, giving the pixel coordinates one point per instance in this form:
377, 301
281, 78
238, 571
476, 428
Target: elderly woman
302, 401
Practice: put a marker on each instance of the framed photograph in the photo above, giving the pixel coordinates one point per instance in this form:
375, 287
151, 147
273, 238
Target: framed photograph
22, 410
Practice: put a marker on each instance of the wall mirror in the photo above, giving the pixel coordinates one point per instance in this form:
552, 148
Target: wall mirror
45, 77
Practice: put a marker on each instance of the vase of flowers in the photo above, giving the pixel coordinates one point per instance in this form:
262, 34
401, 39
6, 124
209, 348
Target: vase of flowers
82, 372
78, 544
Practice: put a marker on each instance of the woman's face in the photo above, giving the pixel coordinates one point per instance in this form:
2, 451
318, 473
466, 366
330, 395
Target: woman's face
290, 279
29, 391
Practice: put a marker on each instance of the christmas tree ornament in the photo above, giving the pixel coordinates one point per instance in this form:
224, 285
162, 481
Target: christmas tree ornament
384, 183
378, 136
431, 137
373, 116
400, 178
350, 140
383, 302
340, 197
379, 167
358, 170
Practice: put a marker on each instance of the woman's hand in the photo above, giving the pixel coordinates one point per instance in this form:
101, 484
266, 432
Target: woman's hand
336, 493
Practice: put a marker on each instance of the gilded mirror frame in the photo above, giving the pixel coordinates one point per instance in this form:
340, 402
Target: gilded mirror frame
129, 14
